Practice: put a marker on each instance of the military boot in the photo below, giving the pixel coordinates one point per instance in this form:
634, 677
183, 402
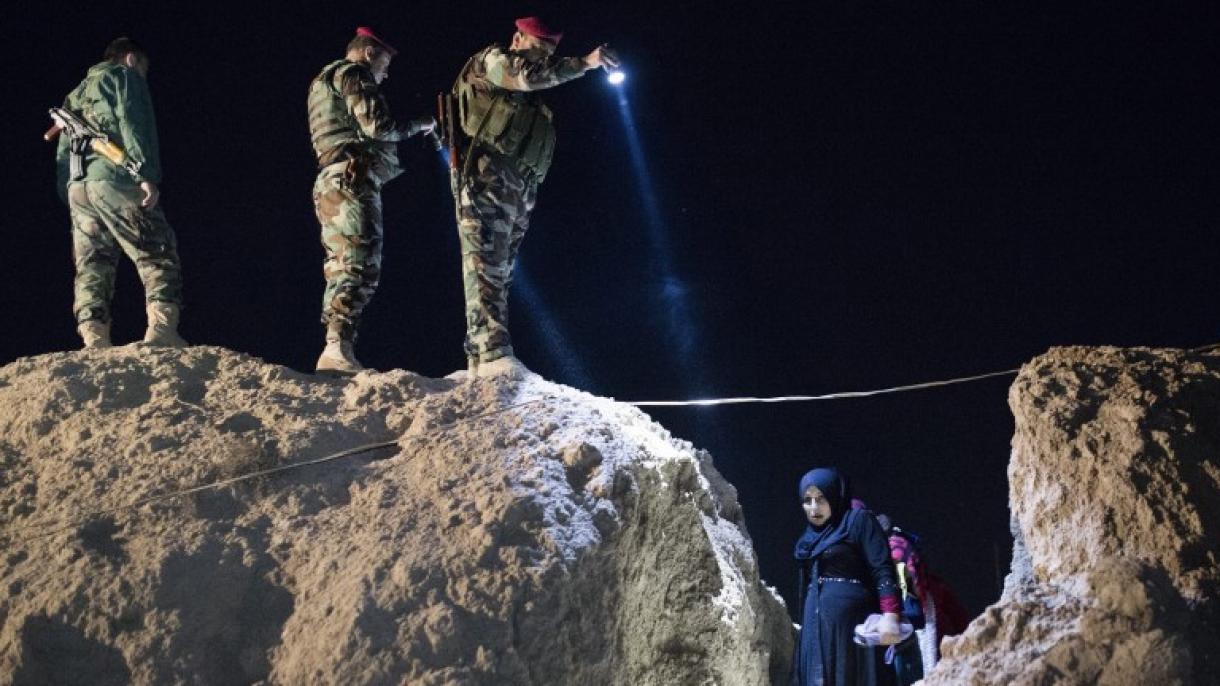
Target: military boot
163, 325
95, 333
507, 365
337, 358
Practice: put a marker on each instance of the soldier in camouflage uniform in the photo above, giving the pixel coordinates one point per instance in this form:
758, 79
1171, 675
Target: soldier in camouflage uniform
509, 140
114, 213
355, 142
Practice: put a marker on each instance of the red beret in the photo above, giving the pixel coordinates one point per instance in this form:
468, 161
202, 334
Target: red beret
533, 26
368, 33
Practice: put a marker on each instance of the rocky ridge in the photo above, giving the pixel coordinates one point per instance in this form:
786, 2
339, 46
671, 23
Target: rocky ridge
1114, 489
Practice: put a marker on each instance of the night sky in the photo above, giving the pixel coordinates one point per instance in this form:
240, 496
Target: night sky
831, 197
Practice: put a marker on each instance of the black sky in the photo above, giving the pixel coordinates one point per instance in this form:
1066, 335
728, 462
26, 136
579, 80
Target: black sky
851, 196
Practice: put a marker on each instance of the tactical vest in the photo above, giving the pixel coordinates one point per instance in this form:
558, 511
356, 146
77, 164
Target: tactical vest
332, 128
512, 123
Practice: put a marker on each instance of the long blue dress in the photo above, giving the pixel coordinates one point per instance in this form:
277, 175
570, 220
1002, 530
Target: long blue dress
844, 580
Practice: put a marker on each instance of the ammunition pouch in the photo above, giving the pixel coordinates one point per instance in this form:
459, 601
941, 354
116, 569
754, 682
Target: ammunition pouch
357, 167
539, 145
76, 157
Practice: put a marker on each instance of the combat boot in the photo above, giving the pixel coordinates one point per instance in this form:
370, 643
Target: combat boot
95, 333
337, 358
507, 365
163, 325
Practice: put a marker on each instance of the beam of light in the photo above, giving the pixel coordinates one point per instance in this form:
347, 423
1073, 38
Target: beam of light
557, 344
616, 78
674, 291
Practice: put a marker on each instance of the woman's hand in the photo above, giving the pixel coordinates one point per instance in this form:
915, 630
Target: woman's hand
888, 630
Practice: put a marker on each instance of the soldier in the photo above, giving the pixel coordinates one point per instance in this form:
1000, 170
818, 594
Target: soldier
510, 138
114, 212
355, 142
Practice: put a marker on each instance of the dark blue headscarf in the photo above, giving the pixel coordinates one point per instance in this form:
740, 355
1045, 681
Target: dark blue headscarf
834, 486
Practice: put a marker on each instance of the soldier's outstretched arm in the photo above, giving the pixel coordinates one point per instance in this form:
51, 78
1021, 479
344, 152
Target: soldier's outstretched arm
510, 70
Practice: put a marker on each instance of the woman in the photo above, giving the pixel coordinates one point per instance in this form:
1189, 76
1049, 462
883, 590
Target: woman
846, 576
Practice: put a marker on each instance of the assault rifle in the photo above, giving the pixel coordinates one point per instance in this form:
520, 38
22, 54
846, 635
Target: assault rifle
84, 136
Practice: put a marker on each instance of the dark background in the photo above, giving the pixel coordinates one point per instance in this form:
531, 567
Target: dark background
838, 196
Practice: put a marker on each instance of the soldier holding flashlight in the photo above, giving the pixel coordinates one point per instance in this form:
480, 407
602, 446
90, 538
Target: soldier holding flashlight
508, 140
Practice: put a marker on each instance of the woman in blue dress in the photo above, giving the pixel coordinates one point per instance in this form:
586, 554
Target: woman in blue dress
846, 575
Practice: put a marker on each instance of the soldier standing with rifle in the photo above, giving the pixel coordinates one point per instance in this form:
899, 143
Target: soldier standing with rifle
109, 168
355, 142
508, 137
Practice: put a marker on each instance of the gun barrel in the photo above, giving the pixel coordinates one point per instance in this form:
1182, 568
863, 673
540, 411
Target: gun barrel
52, 133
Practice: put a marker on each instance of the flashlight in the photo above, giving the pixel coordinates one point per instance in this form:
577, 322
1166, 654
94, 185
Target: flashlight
615, 76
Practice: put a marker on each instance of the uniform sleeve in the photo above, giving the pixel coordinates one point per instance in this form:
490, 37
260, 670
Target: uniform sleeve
137, 124
877, 554
368, 106
511, 71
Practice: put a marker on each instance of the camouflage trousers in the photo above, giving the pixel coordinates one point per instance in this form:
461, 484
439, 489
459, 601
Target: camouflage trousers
108, 221
352, 237
494, 208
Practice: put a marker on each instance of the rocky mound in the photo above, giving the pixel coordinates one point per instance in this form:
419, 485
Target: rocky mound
1114, 488
507, 532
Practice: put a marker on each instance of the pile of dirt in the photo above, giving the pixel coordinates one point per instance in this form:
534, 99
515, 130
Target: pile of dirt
508, 531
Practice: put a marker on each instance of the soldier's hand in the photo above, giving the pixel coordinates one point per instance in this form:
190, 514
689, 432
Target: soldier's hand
609, 57
423, 125
151, 195
602, 56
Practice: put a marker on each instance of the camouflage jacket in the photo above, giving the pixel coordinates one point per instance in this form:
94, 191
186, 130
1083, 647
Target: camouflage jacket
348, 116
116, 100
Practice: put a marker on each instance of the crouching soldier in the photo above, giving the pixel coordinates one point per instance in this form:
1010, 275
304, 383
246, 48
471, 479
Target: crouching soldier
114, 206
355, 141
